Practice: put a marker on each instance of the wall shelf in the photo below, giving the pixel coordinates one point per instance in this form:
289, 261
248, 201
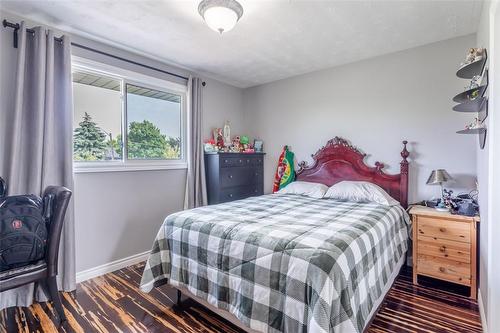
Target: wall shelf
472, 131
466, 95
473, 100
476, 105
474, 68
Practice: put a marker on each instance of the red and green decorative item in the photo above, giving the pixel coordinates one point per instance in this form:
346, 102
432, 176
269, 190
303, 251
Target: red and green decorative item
285, 173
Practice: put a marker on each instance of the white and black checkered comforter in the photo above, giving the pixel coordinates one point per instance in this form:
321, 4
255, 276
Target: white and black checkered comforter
283, 263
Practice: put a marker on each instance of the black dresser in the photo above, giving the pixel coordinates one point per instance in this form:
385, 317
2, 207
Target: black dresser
233, 176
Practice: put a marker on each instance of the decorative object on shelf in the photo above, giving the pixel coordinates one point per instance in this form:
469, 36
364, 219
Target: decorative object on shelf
220, 15
475, 124
227, 134
438, 177
474, 54
258, 145
210, 146
220, 139
474, 63
474, 83
285, 173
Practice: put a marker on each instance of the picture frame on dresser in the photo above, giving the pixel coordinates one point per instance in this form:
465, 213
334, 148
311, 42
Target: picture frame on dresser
445, 247
233, 176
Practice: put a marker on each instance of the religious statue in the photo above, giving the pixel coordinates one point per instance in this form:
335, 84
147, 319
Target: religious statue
227, 134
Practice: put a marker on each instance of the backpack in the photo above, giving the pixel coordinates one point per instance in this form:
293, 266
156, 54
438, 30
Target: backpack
24, 223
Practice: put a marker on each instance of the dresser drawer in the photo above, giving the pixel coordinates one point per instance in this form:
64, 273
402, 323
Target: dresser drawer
230, 177
227, 162
445, 269
240, 192
442, 229
444, 249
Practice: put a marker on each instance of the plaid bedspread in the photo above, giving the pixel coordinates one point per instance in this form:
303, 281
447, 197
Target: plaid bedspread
283, 263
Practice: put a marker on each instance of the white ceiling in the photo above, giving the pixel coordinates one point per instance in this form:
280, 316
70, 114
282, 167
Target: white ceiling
274, 39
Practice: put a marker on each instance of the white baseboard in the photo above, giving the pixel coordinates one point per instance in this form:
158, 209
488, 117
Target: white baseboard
111, 267
481, 311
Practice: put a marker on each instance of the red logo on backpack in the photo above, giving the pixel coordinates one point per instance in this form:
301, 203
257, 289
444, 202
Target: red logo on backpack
17, 224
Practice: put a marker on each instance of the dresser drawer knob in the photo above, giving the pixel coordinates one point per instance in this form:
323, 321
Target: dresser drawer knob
442, 229
442, 269
230, 195
442, 248
230, 176
241, 161
226, 161
248, 161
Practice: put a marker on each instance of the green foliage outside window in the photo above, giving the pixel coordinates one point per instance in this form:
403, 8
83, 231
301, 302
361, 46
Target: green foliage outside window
89, 141
145, 141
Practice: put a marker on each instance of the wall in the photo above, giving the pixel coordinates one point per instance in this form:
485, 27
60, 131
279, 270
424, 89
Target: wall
488, 161
482, 159
117, 214
374, 103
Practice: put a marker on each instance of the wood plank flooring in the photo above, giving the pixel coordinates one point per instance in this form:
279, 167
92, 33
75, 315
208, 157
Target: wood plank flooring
113, 303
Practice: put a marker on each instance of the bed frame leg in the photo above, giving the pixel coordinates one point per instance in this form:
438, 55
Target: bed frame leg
179, 296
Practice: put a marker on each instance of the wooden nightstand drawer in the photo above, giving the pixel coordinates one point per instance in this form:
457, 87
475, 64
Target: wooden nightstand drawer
450, 270
444, 249
443, 229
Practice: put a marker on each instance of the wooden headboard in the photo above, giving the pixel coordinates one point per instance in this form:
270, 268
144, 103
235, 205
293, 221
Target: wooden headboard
338, 161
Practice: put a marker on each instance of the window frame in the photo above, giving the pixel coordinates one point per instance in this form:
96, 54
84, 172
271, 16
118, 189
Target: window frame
126, 76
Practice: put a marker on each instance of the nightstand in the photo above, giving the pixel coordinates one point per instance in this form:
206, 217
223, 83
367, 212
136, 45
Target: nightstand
445, 247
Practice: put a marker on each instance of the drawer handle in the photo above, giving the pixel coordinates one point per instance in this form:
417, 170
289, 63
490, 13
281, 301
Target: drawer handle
230, 176
230, 195
248, 161
442, 248
442, 269
255, 191
241, 161
256, 173
442, 229
226, 161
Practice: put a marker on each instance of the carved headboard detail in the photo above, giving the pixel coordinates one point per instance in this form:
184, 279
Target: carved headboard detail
338, 160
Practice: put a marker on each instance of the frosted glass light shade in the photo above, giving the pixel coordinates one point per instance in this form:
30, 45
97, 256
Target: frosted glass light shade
220, 15
220, 19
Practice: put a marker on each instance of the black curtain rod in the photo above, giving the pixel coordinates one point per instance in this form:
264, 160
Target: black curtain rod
16, 27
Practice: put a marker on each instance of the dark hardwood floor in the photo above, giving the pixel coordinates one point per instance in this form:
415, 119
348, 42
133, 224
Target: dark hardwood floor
113, 303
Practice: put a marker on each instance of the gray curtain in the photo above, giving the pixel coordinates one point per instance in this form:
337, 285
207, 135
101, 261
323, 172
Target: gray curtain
38, 141
196, 191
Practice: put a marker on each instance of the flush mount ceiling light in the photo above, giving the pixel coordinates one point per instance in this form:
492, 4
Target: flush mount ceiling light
220, 15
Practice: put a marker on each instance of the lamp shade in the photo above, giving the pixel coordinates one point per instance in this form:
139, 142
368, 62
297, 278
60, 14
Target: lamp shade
438, 176
220, 15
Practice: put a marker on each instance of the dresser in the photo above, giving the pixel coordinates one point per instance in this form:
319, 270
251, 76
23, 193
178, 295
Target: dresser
233, 176
445, 247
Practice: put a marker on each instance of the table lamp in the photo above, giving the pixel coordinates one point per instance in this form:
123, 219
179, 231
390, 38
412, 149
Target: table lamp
438, 177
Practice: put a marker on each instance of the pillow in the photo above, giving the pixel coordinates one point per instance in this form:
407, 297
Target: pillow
360, 192
314, 190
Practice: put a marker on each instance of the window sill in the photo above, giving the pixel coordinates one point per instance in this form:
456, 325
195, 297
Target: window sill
128, 168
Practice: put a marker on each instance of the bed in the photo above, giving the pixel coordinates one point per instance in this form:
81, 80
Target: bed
290, 263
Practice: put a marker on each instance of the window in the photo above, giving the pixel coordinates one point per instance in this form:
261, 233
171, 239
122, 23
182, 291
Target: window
126, 121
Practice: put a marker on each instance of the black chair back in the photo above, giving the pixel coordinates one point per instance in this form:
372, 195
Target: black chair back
62, 196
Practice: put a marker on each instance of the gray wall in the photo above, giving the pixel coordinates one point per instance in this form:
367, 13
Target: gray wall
375, 103
117, 214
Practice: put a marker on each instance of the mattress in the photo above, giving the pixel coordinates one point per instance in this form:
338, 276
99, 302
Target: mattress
282, 262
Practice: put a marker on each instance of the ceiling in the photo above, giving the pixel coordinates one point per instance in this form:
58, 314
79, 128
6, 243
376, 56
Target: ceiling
274, 39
